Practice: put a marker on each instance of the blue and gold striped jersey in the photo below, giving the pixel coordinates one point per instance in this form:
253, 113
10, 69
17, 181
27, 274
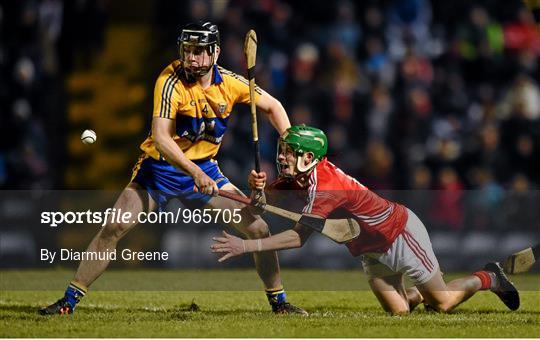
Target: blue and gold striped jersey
201, 114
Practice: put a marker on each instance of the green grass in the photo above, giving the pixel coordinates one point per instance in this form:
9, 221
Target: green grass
232, 305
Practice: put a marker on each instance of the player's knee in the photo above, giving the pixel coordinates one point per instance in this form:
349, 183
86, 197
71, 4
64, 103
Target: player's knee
397, 310
257, 229
441, 307
114, 230
400, 312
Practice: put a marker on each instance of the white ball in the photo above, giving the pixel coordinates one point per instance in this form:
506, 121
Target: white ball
88, 137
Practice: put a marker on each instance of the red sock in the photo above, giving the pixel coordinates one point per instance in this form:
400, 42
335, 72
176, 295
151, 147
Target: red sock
485, 279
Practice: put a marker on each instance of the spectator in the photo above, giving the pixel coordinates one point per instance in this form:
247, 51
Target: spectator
522, 99
484, 203
447, 209
408, 25
521, 206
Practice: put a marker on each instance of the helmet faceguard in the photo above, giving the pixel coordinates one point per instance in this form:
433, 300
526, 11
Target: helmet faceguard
198, 38
302, 139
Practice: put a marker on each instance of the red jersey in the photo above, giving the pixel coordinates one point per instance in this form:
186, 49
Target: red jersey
333, 194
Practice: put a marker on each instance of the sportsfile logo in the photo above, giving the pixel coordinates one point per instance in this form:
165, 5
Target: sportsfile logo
113, 215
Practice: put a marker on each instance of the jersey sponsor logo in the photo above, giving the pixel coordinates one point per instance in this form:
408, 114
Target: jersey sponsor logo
196, 129
200, 101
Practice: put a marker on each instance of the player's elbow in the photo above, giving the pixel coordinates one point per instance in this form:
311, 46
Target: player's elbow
275, 108
159, 147
160, 141
162, 132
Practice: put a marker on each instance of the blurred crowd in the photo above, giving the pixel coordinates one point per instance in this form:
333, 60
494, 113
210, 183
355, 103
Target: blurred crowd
409, 96
413, 94
39, 43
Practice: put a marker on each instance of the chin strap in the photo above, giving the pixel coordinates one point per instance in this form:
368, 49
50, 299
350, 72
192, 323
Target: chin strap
303, 168
302, 178
302, 171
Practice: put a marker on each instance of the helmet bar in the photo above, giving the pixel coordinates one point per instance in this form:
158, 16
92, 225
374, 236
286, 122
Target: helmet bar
198, 37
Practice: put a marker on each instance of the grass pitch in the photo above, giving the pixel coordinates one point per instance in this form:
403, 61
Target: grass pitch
231, 304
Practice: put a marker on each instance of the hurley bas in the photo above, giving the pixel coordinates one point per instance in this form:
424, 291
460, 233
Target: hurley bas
125, 254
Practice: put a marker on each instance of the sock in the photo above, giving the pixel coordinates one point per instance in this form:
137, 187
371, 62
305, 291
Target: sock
74, 293
488, 280
276, 296
494, 281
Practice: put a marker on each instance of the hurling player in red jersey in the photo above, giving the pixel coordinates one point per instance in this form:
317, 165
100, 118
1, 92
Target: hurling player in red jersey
393, 242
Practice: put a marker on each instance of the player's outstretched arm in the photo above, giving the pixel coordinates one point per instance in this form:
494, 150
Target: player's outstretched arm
232, 245
275, 112
162, 134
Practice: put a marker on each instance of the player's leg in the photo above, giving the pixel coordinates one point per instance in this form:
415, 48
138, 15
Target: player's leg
132, 199
414, 297
266, 263
421, 266
444, 297
391, 293
389, 288
252, 227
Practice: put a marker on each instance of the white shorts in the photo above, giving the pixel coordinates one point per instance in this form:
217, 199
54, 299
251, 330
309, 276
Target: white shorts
411, 254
